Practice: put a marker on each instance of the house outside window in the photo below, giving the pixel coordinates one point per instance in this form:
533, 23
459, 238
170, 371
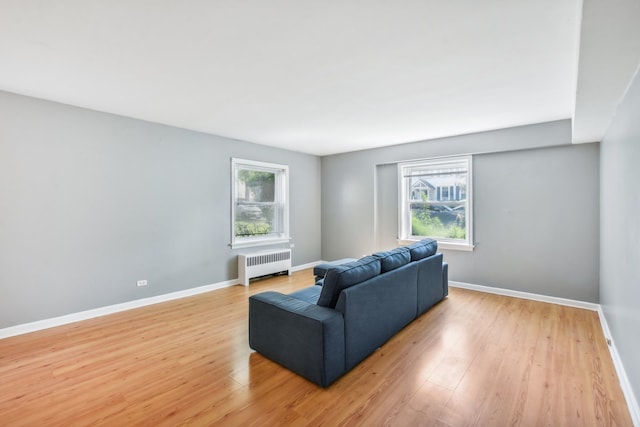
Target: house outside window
260, 203
436, 201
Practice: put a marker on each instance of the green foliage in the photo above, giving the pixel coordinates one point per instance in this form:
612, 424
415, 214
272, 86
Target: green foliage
425, 225
456, 232
252, 228
252, 177
418, 228
261, 184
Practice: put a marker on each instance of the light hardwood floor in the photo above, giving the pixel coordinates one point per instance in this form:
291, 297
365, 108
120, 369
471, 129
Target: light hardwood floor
474, 359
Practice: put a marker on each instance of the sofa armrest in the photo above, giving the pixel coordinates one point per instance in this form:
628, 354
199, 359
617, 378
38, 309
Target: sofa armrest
430, 282
303, 337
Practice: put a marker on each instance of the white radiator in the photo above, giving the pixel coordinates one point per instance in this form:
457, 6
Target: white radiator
262, 263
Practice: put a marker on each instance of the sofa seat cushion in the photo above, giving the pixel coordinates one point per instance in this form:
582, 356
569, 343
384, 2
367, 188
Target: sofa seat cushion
390, 260
346, 275
422, 249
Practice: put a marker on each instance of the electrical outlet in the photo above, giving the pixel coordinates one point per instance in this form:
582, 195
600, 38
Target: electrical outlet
141, 283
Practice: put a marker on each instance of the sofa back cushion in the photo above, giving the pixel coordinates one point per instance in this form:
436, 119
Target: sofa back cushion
346, 275
390, 260
422, 249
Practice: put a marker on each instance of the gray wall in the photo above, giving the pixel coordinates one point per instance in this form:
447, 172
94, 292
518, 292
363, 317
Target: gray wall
535, 209
620, 231
348, 179
91, 202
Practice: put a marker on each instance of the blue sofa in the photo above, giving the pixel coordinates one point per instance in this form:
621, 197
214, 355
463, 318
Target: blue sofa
321, 332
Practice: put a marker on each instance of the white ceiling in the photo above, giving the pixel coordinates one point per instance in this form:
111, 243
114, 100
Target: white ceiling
320, 77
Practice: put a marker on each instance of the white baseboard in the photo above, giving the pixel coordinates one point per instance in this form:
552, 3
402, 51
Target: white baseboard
110, 309
305, 266
526, 295
625, 385
116, 308
629, 395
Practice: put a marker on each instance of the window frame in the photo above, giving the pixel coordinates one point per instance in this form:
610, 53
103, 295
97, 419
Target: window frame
281, 197
404, 212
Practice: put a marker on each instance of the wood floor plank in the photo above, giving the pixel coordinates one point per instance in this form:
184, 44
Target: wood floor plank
475, 359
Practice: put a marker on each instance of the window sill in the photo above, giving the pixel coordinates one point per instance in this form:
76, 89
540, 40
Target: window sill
252, 243
442, 245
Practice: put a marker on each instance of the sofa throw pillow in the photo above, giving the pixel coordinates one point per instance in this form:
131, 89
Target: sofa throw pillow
422, 249
346, 275
390, 260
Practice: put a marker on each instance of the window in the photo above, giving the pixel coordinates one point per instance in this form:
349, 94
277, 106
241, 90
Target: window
445, 193
435, 201
259, 206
